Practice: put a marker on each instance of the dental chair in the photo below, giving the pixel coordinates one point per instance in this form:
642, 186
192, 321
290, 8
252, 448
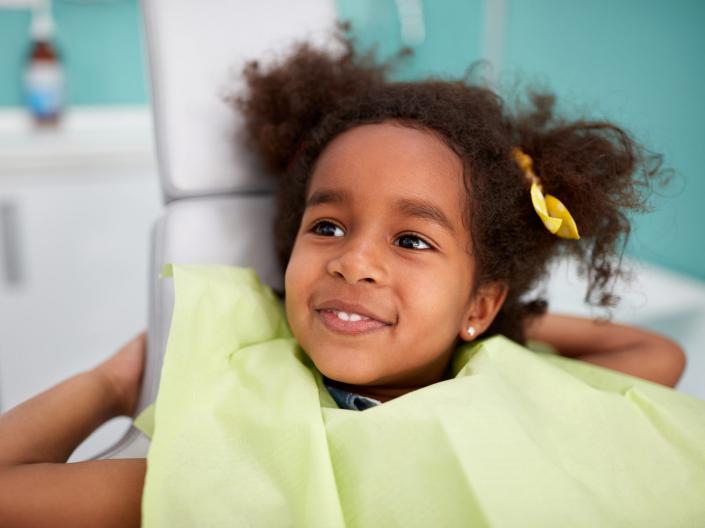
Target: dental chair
218, 203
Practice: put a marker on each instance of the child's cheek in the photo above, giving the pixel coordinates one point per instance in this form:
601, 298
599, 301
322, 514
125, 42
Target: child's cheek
296, 286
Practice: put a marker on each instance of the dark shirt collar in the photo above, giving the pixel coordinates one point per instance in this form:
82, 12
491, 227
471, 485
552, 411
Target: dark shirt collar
350, 400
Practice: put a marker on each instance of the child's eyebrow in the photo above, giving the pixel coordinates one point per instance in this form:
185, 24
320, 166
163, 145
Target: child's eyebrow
414, 207
419, 208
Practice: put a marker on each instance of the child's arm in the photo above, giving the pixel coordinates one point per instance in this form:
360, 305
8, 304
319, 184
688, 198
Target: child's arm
36, 487
624, 348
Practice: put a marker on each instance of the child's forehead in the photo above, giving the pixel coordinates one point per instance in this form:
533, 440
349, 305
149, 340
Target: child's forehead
388, 159
397, 143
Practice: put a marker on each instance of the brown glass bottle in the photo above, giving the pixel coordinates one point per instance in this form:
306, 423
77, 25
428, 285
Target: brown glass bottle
44, 81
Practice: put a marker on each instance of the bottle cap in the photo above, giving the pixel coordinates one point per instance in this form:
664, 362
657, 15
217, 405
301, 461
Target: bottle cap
42, 25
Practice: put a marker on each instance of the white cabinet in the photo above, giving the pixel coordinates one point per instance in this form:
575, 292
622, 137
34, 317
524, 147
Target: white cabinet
77, 210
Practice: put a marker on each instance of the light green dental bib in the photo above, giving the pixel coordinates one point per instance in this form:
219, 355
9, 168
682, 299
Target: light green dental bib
246, 435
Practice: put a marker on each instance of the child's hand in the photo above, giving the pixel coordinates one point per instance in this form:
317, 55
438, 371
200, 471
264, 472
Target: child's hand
123, 374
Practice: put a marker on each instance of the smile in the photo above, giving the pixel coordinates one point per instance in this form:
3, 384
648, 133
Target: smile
349, 323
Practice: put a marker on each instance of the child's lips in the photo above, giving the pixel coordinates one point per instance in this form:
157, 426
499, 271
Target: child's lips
340, 305
331, 320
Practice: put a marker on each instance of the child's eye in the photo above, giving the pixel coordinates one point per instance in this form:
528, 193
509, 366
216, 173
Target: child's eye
325, 228
409, 241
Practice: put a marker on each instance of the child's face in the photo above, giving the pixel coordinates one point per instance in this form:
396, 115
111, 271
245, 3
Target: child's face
383, 236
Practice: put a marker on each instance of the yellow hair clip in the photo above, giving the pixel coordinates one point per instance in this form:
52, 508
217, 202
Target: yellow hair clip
554, 215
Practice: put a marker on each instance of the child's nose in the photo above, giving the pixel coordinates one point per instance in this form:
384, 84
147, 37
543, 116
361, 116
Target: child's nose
358, 261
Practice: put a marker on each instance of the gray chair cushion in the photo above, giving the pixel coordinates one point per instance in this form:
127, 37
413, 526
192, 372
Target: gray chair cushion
198, 231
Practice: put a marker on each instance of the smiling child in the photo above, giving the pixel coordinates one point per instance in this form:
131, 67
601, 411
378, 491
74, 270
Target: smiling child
411, 221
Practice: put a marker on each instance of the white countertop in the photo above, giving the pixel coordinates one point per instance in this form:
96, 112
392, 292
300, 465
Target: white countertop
86, 137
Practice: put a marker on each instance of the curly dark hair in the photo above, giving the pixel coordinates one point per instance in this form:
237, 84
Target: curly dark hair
293, 108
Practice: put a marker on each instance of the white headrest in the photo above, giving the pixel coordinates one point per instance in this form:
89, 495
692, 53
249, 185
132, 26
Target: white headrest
196, 50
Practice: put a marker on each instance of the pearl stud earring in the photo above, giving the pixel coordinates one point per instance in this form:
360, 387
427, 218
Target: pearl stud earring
472, 331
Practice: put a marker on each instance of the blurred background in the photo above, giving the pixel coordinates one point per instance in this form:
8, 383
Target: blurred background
79, 190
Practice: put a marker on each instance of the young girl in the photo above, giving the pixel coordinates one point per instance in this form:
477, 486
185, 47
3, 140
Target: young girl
410, 220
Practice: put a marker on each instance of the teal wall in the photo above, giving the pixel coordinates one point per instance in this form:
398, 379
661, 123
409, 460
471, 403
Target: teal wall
101, 44
637, 62
452, 34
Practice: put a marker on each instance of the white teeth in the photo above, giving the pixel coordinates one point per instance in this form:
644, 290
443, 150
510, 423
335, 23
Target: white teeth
350, 316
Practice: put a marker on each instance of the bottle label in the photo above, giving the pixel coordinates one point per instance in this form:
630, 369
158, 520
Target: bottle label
44, 83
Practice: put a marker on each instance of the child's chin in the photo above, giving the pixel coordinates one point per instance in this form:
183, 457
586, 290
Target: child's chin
352, 373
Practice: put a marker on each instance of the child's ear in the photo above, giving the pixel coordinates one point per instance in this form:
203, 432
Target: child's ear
482, 309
